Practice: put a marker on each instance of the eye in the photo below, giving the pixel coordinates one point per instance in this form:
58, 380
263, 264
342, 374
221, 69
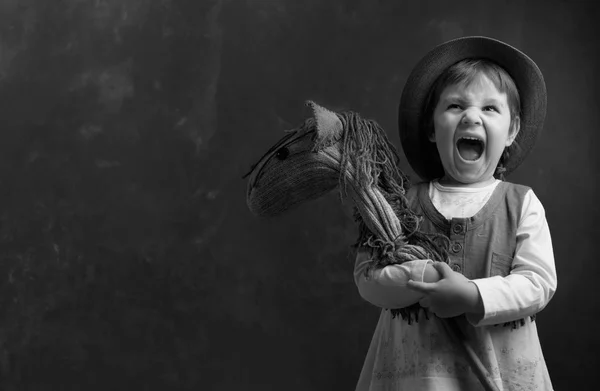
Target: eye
491, 108
452, 106
282, 153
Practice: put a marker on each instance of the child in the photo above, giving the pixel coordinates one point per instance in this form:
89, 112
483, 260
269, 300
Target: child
470, 112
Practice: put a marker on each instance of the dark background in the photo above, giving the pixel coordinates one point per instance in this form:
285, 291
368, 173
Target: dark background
129, 259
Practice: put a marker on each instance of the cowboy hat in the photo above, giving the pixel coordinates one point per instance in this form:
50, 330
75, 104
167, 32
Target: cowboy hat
422, 153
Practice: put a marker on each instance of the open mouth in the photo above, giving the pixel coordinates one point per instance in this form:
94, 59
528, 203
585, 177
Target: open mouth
470, 148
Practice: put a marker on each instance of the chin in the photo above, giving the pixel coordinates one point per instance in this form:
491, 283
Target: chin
468, 179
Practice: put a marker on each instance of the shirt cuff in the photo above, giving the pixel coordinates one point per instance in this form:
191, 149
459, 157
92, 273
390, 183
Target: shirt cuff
488, 297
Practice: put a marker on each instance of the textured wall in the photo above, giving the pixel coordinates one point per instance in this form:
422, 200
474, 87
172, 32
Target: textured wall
128, 257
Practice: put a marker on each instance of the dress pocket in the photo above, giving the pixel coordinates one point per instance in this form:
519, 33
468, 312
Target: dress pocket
501, 265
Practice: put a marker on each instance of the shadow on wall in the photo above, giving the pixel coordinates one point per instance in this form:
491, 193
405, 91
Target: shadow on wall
129, 259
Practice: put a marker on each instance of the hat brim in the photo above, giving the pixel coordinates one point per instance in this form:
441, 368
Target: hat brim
422, 153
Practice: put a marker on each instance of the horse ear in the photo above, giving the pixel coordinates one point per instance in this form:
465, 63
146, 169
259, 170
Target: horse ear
329, 126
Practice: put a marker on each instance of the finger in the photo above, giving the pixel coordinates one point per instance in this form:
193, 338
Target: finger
441, 313
436, 310
443, 268
423, 287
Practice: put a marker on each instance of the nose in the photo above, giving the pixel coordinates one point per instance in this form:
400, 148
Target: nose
471, 117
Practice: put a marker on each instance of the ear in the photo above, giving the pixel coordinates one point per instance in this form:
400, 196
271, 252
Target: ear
329, 126
513, 131
430, 129
431, 135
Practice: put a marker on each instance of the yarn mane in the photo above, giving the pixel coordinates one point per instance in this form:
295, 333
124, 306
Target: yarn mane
376, 162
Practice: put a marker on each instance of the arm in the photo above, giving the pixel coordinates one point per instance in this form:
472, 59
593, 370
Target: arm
532, 281
386, 287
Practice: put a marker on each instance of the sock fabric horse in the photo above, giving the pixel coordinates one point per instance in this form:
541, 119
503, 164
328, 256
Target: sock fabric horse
342, 150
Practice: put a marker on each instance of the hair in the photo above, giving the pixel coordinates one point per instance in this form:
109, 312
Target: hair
465, 72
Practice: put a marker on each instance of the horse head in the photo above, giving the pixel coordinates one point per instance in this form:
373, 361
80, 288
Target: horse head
303, 165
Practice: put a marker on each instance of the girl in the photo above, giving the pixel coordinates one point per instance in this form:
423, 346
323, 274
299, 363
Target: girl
470, 112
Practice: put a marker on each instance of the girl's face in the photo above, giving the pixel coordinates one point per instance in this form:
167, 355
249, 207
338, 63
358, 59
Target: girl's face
472, 127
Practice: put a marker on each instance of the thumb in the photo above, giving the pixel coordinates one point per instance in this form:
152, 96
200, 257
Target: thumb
423, 287
443, 268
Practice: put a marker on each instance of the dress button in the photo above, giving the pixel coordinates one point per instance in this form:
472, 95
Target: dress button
458, 228
455, 267
456, 247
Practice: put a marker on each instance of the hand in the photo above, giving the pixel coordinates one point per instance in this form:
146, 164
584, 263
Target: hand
431, 274
451, 296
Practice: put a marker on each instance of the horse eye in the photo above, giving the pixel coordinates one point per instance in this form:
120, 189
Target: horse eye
282, 153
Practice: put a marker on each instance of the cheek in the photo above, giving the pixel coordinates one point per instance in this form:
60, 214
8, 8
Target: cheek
443, 133
445, 122
438, 121
506, 136
439, 128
